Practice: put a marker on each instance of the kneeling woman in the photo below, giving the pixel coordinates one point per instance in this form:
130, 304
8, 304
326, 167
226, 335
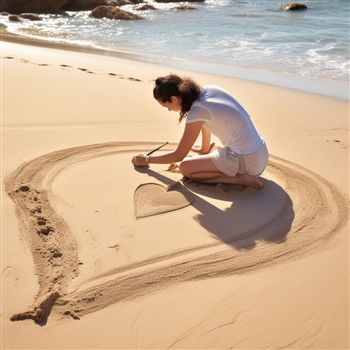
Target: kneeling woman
210, 110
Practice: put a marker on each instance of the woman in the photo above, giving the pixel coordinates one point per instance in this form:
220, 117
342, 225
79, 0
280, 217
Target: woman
210, 110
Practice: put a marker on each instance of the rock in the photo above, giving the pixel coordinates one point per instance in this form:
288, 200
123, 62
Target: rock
113, 13
178, 1
31, 16
88, 5
34, 6
293, 7
146, 7
186, 8
14, 18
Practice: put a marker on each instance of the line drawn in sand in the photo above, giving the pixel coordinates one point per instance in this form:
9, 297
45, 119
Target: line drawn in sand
55, 254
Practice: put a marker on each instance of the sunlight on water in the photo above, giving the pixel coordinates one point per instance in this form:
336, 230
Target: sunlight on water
250, 34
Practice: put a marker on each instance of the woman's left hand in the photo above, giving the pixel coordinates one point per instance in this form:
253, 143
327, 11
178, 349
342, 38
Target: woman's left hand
199, 149
139, 160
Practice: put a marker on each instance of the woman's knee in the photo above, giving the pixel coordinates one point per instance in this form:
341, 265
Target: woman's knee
184, 168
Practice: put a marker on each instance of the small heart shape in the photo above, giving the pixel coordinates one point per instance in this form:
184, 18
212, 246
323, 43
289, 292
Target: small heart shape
152, 199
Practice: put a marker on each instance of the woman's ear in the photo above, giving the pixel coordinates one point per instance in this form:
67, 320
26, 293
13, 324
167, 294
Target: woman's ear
174, 99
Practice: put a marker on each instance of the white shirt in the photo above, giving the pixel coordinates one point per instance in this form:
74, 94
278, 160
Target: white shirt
225, 118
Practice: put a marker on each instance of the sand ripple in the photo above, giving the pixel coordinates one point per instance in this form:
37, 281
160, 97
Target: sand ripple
314, 214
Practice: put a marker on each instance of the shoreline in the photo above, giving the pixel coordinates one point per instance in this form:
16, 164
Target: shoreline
324, 87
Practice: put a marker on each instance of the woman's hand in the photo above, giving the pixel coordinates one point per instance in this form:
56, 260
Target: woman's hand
139, 160
199, 149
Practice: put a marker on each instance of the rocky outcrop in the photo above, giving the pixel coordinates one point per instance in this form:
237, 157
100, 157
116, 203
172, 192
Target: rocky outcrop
112, 12
56, 6
88, 5
293, 7
33, 6
18, 18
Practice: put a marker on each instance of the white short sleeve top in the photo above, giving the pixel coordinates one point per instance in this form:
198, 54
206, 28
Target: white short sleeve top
225, 118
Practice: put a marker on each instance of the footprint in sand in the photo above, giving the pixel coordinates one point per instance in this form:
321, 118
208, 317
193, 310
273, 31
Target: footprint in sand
124, 233
338, 137
9, 273
133, 79
64, 66
338, 143
85, 70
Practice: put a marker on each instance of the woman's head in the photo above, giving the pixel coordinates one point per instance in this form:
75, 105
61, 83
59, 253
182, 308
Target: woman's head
176, 93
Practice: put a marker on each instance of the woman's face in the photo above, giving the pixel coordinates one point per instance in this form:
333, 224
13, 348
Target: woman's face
174, 105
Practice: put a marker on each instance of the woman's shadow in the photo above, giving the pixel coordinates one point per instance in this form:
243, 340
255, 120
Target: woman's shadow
245, 217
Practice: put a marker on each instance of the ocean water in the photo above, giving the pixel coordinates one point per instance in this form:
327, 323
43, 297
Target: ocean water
219, 36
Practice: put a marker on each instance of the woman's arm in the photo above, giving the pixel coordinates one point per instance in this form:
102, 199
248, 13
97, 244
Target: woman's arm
188, 138
206, 145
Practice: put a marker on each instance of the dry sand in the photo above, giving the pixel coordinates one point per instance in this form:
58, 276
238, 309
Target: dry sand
90, 259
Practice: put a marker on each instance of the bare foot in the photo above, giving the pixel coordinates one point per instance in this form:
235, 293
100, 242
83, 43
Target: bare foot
248, 180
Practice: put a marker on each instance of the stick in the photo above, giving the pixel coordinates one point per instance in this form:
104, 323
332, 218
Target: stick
149, 153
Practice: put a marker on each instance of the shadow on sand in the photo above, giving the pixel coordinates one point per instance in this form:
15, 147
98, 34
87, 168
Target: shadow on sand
246, 215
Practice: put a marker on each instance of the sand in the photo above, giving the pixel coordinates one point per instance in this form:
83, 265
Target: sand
98, 255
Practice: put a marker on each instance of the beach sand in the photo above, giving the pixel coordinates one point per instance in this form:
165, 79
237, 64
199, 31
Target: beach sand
90, 259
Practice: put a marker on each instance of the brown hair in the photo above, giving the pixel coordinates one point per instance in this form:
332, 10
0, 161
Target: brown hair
173, 85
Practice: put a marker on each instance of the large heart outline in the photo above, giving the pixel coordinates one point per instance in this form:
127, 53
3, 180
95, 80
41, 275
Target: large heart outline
29, 186
154, 199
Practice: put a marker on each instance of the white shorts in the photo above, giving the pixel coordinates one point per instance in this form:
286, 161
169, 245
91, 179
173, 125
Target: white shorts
231, 163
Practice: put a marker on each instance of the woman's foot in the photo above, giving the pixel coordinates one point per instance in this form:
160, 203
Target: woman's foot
248, 180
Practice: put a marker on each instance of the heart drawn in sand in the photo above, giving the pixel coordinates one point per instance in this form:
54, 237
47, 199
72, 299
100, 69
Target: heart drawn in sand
152, 199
